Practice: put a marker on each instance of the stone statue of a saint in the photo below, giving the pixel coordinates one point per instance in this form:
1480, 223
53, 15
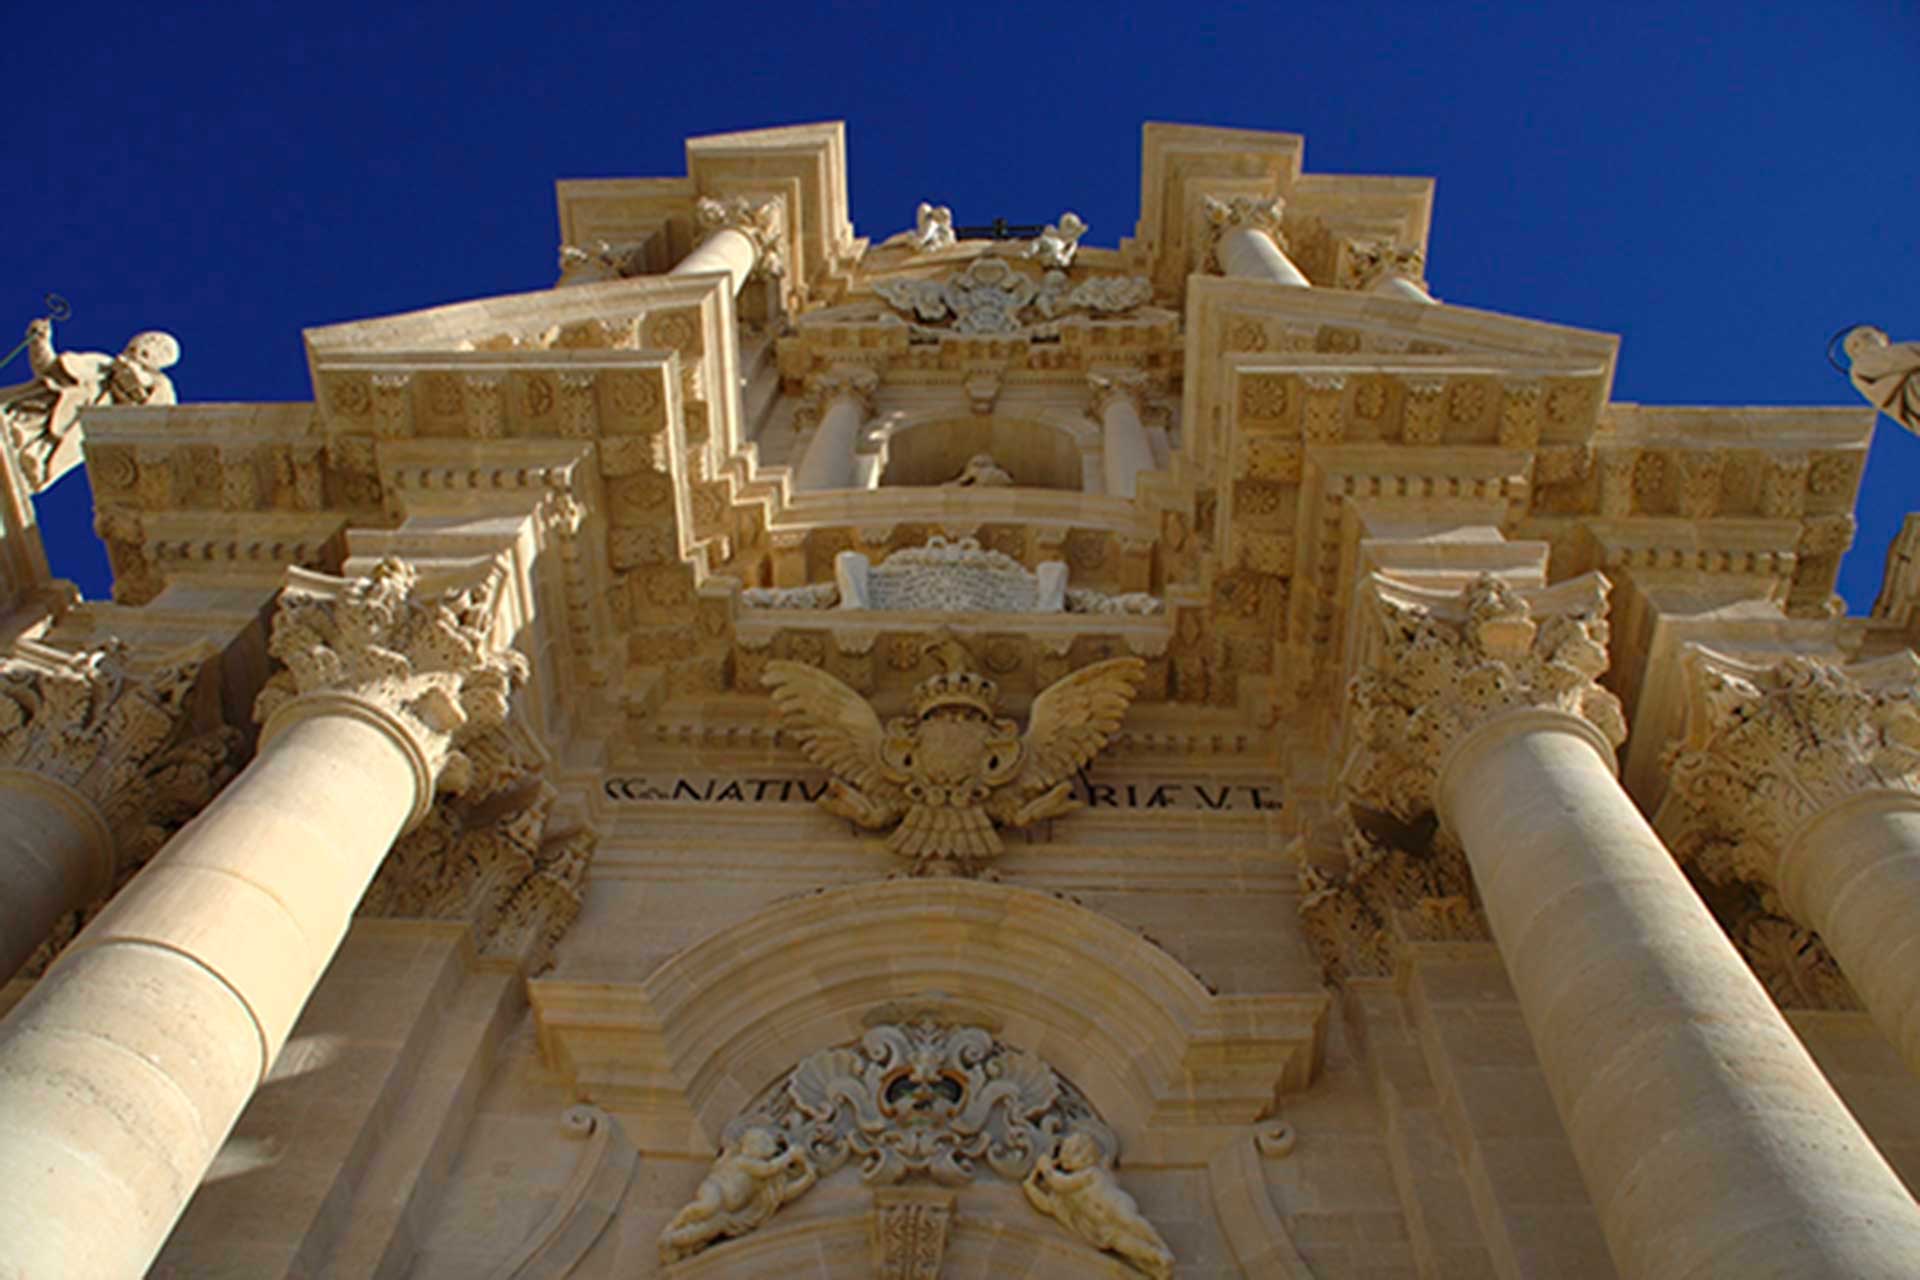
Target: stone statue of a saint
750, 1179
1075, 1187
981, 472
40, 416
1886, 373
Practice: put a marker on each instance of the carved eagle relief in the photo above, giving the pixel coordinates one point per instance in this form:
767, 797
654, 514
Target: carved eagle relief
945, 776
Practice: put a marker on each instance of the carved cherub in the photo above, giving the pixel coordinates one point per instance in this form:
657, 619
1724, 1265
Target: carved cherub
1058, 241
951, 771
933, 227
41, 415
1886, 373
1077, 1189
749, 1182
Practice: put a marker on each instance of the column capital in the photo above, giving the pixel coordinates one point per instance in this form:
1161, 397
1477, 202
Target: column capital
1238, 213
1771, 747
1434, 666
119, 740
856, 382
413, 654
1367, 262
1104, 386
762, 219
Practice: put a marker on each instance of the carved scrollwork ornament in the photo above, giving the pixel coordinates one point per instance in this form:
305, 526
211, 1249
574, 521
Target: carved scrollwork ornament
919, 1100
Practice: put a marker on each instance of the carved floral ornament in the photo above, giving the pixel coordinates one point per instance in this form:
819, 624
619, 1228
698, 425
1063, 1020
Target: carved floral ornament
943, 777
1769, 747
762, 221
991, 295
1436, 666
426, 657
124, 740
920, 1100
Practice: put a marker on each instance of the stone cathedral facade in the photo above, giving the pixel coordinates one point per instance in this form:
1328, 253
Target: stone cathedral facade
792, 754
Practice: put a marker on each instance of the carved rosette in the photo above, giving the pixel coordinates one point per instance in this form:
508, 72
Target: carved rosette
123, 740
1768, 748
422, 656
1234, 214
1435, 666
762, 221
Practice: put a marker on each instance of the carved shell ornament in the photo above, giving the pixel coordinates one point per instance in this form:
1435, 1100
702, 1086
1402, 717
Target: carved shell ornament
945, 776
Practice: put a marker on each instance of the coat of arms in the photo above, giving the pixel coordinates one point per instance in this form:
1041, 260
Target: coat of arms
946, 775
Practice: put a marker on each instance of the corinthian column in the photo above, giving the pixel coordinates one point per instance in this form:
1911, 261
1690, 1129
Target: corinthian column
1246, 241
1803, 779
738, 236
124, 1068
1380, 266
96, 765
1710, 1143
1116, 402
845, 398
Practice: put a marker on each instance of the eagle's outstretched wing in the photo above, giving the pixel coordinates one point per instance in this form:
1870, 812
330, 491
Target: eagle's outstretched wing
1073, 718
835, 727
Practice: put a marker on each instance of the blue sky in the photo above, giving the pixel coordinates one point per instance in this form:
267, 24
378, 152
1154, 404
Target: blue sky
1724, 185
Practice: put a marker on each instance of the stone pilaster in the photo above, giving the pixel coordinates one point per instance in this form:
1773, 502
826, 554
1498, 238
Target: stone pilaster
124, 1068
1483, 709
1801, 778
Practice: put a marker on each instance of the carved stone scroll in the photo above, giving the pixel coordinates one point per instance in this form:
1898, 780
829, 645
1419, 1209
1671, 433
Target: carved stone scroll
586, 1204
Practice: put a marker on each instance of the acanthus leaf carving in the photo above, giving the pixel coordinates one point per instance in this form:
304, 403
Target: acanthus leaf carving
124, 740
426, 657
1769, 747
1440, 664
763, 221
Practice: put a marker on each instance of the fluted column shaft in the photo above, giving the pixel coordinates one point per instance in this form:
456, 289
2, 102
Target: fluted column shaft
56, 855
1711, 1144
1250, 253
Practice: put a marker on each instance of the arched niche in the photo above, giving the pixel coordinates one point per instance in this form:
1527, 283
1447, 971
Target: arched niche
1037, 453
1140, 1035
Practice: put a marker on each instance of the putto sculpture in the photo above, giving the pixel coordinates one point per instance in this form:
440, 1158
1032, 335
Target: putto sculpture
945, 776
41, 416
756, 1173
1076, 1188
1886, 373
